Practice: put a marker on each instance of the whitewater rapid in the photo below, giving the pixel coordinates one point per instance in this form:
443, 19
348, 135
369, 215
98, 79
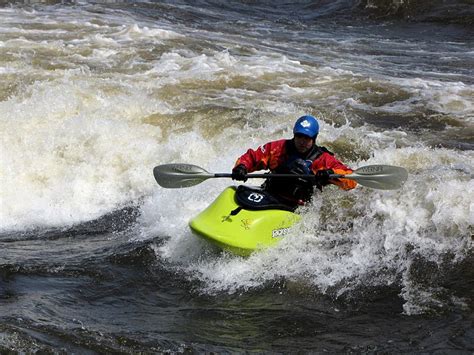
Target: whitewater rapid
92, 101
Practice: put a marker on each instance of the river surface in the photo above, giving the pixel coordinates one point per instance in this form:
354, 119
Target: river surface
95, 257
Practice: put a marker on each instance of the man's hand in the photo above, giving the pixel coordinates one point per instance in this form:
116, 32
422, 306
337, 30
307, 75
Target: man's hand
321, 178
239, 173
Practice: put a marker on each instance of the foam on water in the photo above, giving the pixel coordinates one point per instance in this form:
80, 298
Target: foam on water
346, 240
76, 146
69, 155
89, 111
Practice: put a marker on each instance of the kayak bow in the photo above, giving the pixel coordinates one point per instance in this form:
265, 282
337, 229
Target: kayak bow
242, 230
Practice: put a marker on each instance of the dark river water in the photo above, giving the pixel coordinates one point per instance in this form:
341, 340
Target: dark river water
95, 257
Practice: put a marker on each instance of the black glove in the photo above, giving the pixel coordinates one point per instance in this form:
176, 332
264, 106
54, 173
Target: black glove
321, 178
239, 173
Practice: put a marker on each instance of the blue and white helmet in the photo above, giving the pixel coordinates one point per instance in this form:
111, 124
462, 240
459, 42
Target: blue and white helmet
307, 125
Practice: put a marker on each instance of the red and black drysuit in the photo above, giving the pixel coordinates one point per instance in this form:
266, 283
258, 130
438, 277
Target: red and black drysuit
282, 157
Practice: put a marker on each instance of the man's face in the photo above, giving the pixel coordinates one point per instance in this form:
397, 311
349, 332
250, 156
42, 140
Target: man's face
303, 143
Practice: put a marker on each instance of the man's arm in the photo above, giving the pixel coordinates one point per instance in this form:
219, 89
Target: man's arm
262, 158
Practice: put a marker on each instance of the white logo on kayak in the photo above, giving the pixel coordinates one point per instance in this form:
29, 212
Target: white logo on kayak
305, 123
280, 232
255, 197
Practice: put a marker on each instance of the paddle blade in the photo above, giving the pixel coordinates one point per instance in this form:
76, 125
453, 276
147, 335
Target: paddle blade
382, 177
180, 175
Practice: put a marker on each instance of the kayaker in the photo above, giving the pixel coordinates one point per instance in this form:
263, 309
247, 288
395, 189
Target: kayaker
299, 155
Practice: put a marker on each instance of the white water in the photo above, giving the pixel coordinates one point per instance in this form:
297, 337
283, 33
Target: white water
93, 105
345, 240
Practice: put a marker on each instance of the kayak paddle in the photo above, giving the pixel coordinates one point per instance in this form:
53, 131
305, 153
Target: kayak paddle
383, 177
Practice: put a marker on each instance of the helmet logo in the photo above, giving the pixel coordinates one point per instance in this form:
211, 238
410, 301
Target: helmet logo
305, 124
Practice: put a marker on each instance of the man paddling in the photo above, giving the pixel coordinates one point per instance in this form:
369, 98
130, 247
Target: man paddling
299, 155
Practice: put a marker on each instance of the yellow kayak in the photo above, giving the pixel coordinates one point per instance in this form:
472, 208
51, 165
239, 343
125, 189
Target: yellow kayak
244, 219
